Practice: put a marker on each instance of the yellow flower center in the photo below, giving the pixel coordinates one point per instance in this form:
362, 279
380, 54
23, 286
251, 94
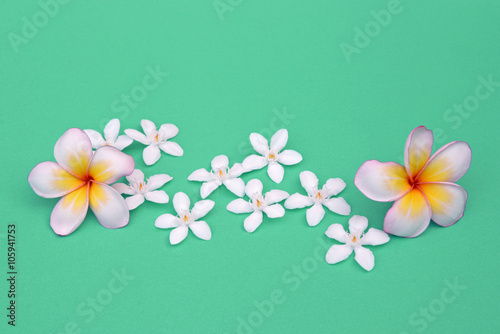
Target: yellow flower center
156, 138
271, 156
186, 218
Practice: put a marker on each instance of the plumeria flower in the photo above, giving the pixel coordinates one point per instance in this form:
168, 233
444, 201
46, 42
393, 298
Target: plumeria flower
141, 190
156, 140
318, 197
220, 174
186, 219
423, 189
111, 137
355, 240
271, 155
81, 177
258, 204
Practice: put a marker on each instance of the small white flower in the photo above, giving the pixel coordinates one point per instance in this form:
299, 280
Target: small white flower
111, 138
355, 240
140, 189
220, 174
156, 140
271, 155
186, 219
319, 197
258, 204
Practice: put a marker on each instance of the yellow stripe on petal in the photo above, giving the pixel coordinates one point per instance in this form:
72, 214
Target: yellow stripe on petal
64, 180
110, 164
108, 205
75, 200
448, 164
418, 150
70, 211
73, 151
48, 179
447, 201
98, 196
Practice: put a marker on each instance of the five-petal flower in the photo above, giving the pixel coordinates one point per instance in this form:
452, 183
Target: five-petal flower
258, 204
319, 197
81, 177
111, 138
186, 219
220, 174
355, 240
271, 155
141, 189
423, 189
156, 140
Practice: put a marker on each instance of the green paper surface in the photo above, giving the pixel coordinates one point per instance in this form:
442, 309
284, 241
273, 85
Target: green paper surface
348, 80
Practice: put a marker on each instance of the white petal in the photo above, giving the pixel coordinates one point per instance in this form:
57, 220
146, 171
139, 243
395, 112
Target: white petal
254, 162
237, 170
137, 176
168, 131
333, 187
357, 224
137, 136
253, 187
172, 148
208, 187
274, 211
134, 201
178, 234
364, 257
315, 214
239, 206
167, 220
201, 230
338, 205
157, 196
151, 154
337, 232
122, 188
201, 175
279, 139
338, 253
298, 201
289, 157
375, 237
148, 127
122, 142
201, 208
220, 162
275, 196
111, 130
158, 180
253, 221
275, 172
95, 138
309, 182
236, 186
181, 203
259, 143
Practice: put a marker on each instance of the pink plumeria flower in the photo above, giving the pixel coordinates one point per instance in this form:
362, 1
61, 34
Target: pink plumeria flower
141, 189
257, 204
354, 241
220, 174
317, 197
423, 189
111, 137
271, 155
81, 177
186, 219
156, 140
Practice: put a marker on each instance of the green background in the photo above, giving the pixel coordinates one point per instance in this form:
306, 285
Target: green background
231, 75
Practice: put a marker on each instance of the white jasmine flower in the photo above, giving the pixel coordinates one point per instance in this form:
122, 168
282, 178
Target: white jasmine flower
355, 240
319, 197
156, 140
111, 138
258, 204
141, 189
271, 155
186, 219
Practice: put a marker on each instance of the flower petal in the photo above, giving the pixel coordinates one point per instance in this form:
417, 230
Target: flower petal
201, 229
70, 211
178, 234
236, 170
275, 172
382, 181
338, 205
239, 205
364, 257
158, 180
137, 176
208, 187
49, 180
447, 201
73, 152
110, 164
167, 220
358, 224
236, 186
448, 164
253, 221
374, 237
172, 148
408, 216
279, 140
122, 188
137, 136
201, 208
157, 196
254, 161
253, 187
315, 214
95, 138
298, 201
275, 196
134, 201
168, 131
309, 182
108, 205
122, 142
148, 127
151, 154
333, 187
289, 157
338, 253
418, 150
220, 162
337, 232
181, 203
111, 130
201, 175
274, 211
259, 143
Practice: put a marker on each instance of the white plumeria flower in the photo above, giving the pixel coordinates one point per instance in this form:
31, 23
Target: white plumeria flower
271, 155
141, 189
220, 174
319, 197
355, 240
156, 140
258, 204
186, 219
111, 138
